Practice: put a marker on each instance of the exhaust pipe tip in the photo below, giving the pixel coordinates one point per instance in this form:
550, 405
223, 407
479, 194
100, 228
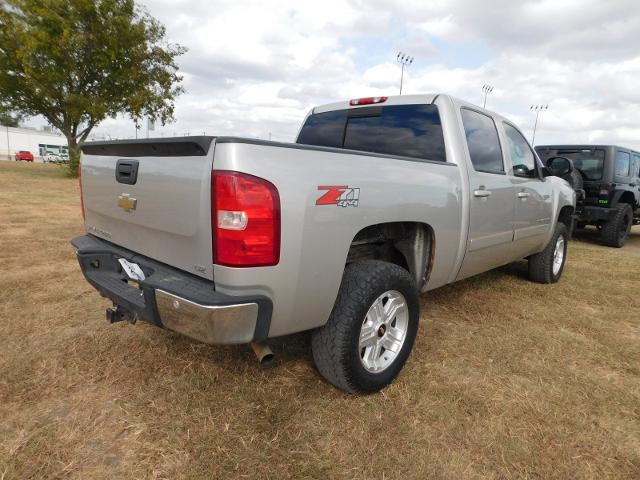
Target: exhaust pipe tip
263, 353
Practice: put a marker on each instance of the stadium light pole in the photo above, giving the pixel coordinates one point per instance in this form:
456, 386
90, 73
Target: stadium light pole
487, 89
404, 60
537, 109
8, 145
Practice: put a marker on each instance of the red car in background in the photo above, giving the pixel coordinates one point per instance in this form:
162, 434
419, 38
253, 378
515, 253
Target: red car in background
24, 155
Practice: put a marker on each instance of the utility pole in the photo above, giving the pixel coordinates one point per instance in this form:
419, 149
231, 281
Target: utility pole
537, 109
404, 60
487, 89
8, 145
151, 125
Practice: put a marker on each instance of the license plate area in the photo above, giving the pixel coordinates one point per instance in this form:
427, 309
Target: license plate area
133, 271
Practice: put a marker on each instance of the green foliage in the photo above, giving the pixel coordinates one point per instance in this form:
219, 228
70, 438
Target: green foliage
9, 118
77, 62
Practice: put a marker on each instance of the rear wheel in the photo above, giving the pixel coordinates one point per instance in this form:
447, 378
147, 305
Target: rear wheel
547, 266
371, 330
617, 228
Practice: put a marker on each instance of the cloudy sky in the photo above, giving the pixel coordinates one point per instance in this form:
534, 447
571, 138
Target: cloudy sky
254, 68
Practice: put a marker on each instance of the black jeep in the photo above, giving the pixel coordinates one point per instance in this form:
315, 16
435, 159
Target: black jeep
608, 187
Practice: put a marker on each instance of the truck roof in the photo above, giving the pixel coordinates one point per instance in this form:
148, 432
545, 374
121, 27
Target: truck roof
390, 100
584, 146
403, 100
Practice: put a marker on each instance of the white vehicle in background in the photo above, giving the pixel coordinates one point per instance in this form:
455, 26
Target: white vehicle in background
52, 157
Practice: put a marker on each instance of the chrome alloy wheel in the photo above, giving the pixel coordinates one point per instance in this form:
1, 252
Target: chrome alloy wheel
558, 255
383, 331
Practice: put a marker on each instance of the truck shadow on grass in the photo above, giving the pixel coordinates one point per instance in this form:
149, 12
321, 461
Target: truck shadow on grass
592, 235
292, 353
589, 234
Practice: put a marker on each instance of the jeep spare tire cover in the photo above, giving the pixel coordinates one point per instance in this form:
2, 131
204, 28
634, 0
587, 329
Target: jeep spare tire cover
574, 179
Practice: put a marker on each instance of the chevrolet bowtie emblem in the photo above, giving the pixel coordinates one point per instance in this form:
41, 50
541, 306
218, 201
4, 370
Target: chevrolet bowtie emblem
126, 202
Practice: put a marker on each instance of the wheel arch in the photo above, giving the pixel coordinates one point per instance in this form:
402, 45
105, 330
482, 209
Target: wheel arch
410, 245
624, 197
565, 215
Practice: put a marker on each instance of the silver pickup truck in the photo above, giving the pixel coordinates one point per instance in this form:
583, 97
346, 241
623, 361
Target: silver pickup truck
236, 240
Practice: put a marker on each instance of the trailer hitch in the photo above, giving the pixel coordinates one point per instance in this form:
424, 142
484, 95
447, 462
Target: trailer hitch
118, 314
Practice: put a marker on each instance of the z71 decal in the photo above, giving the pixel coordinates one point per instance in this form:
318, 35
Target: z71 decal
339, 195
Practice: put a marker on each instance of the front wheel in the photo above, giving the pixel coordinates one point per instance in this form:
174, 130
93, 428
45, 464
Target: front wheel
371, 330
547, 266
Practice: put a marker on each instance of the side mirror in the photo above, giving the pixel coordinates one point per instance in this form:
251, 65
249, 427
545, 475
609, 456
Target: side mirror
521, 171
559, 166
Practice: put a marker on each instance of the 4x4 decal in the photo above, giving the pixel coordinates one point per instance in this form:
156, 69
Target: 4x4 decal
340, 195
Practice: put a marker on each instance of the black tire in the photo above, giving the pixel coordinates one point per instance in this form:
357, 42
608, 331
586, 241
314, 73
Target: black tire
541, 264
335, 346
574, 179
616, 229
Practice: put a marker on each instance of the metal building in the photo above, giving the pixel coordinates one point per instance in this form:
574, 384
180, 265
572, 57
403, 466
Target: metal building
38, 142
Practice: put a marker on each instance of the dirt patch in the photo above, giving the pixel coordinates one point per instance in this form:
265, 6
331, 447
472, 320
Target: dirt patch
633, 243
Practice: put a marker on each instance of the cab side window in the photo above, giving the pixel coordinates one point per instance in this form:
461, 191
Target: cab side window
522, 158
623, 163
636, 165
483, 142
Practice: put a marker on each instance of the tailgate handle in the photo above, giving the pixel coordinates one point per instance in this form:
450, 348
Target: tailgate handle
127, 171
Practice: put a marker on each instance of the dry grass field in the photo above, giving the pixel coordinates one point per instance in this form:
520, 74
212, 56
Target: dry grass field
508, 379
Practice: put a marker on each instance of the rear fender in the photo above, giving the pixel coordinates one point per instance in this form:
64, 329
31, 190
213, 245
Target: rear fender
623, 196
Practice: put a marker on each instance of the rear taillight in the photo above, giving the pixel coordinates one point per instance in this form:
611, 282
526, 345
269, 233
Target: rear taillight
367, 101
245, 220
605, 189
80, 182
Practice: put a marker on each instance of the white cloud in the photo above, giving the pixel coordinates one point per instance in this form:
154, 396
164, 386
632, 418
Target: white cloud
255, 68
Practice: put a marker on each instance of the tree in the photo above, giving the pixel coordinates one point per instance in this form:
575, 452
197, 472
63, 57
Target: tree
77, 62
9, 118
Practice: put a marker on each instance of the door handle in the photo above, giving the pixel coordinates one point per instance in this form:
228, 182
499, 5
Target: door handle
481, 193
127, 171
524, 194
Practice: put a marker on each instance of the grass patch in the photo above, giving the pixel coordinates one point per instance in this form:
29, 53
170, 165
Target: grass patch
508, 379
34, 170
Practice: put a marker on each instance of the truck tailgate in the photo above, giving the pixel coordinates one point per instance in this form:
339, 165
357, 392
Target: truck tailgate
152, 197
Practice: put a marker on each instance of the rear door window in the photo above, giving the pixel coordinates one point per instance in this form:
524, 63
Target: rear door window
483, 142
413, 131
623, 163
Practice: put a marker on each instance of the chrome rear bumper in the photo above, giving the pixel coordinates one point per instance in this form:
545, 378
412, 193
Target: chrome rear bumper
207, 323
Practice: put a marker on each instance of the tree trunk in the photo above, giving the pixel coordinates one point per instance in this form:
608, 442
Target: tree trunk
74, 155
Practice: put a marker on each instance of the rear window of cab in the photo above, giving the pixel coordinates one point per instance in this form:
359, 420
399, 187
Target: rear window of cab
413, 131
